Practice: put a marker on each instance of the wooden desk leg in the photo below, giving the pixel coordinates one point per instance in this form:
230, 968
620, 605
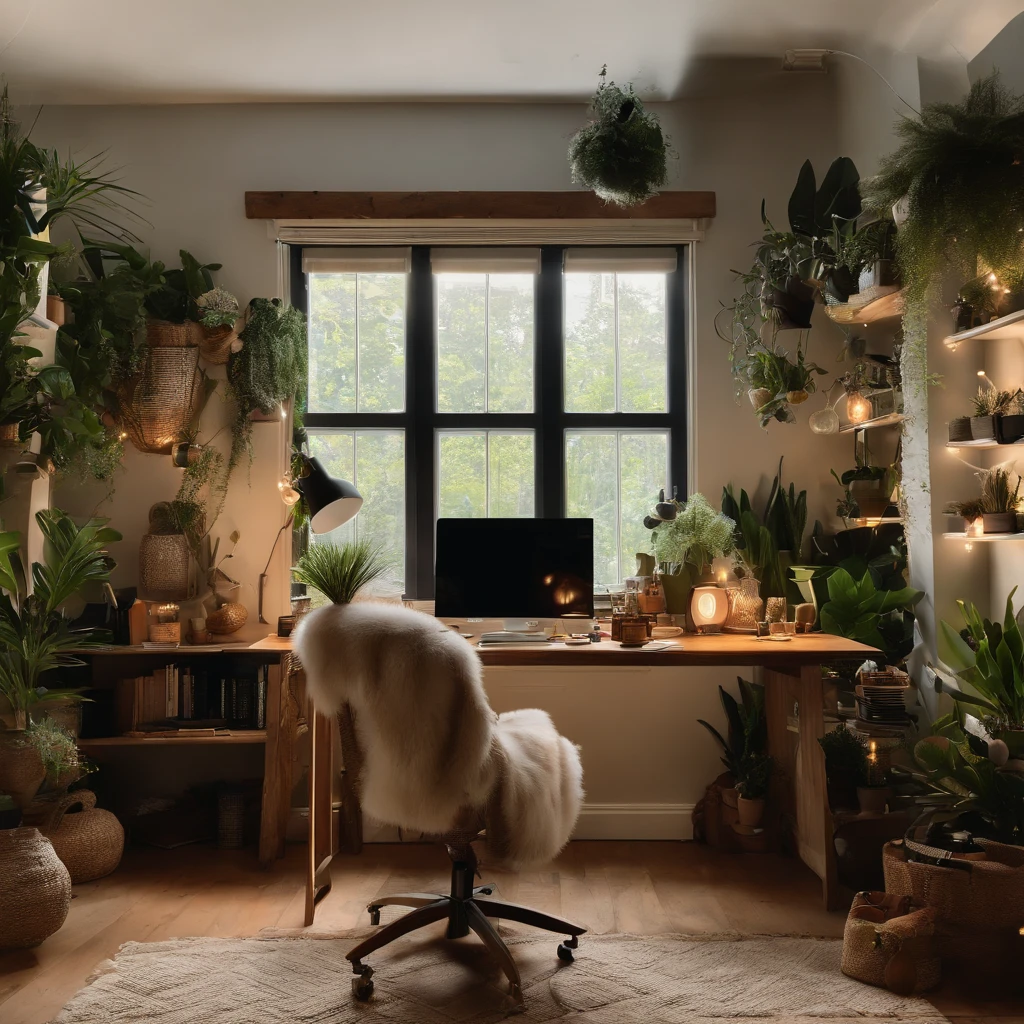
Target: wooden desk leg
321, 846
814, 831
276, 751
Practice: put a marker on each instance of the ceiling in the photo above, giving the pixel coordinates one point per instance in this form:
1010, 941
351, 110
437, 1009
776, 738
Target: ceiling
145, 51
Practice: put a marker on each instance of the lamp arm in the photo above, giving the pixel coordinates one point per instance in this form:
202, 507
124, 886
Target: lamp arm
266, 568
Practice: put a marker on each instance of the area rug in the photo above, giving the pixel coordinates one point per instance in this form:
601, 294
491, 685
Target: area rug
616, 979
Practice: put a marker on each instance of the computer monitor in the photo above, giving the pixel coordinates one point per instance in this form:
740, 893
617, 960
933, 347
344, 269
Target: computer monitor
514, 569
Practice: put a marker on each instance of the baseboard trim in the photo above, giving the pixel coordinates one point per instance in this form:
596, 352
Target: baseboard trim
635, 821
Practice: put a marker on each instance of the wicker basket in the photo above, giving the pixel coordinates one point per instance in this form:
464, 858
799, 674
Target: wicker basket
227, 619
90, 842
979, 913
10, 434
35, 889
163, 567
165, 633
230, 819
158, 404
214, 342
164, 334
21, 767
887, 945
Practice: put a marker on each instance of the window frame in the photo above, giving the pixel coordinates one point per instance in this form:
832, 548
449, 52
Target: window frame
549, 421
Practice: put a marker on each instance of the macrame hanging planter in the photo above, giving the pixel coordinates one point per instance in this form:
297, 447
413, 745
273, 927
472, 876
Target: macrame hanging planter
621, 154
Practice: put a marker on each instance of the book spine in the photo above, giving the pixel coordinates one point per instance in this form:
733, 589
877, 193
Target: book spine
261, 698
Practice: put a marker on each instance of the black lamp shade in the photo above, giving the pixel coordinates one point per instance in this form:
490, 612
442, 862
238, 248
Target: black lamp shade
332, 502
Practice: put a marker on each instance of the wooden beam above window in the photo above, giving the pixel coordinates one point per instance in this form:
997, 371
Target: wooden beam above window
471, 206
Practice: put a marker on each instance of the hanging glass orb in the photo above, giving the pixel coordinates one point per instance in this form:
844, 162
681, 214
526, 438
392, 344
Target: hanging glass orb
824, 421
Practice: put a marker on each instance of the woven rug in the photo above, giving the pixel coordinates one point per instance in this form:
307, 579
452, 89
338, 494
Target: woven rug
616, 979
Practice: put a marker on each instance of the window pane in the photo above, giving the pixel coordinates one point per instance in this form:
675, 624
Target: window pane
484, 342
615, 343
373, 460
357, 342
610, 477
510, 343
485, 473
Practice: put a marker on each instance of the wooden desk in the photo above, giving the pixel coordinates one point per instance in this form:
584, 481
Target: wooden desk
793, 705
284, 721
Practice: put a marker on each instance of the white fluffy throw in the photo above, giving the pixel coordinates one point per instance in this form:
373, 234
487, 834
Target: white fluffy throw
432, 747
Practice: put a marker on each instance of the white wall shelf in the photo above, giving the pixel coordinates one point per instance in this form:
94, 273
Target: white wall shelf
888, 420
1009, 326
984, 538
868, 307
984, 444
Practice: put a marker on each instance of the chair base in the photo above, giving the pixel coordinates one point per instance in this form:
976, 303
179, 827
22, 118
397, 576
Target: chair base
464, 912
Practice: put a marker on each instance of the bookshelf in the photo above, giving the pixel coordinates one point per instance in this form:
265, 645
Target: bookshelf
183, 739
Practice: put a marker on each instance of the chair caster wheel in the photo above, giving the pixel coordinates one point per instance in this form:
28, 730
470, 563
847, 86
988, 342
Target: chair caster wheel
565, 953
374, 913
362, 988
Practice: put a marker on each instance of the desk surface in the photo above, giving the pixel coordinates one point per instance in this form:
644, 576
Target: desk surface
712, 649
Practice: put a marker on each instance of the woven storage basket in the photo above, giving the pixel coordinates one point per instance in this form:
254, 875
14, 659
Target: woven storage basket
214, 342
227, 619
90, 842
896, 953
165, 632
978, 913
163, 567
164, 334
158, 404
35, 889
21, 767
230, 819
10, 434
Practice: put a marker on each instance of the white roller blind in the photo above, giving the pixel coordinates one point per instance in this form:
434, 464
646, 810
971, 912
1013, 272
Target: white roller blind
365, 259
620, 260
505, 260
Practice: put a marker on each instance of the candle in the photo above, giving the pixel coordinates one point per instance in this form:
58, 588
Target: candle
167, 613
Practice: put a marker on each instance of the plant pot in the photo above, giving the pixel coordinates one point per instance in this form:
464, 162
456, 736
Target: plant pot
164, 334
792, 307
760, 397
21, 767
1009, 428
35, 889
999, 522
983, 428
163, 567
872, 799
751, 812
677, 588
840, 284
871, 497
796, 397
56, 310
960, 429
730, 797
10, 434
214, 342
881, 274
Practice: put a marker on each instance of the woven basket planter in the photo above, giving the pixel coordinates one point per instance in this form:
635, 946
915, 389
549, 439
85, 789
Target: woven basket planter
35, 889
21, 767
979, 912
163, 567
214, 342
164, 334
158, 404
88, 842
229, 618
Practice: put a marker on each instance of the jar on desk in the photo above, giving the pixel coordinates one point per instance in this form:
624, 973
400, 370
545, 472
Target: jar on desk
626, 612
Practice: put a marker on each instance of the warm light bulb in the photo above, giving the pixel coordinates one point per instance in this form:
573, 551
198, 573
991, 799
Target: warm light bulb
706, 605
968, 546
992, 277
858, 408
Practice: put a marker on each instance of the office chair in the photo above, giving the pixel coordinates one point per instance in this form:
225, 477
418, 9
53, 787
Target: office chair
424, 751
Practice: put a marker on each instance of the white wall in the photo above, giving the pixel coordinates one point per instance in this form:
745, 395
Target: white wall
641, 743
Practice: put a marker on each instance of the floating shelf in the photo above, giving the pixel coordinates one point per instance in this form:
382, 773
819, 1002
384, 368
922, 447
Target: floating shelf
984, 444
1009, 326
224, 739
882, 303
984, 538
888, 420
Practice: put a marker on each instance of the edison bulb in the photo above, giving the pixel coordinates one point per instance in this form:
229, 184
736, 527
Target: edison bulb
824, 421
858, 408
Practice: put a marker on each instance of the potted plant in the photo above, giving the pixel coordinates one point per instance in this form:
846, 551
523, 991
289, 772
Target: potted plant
621, 153
686, 537
969, 511
218, 312
339, 572
755, 771
35, 634
747, 733
990, 403
846, 765
870, 253
978, 303
867, 491
989, 658
1000, 502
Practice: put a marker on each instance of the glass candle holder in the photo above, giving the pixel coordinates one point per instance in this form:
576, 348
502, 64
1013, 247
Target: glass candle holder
775, 609
745, 605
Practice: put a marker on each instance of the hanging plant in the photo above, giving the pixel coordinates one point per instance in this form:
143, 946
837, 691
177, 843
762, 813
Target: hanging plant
621, 154
268, 369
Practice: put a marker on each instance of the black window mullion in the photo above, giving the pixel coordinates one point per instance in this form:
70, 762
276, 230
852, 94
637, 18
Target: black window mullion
676, 324
421, 402
550, 387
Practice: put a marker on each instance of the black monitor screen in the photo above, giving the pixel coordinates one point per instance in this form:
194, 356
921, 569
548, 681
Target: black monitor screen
523, 568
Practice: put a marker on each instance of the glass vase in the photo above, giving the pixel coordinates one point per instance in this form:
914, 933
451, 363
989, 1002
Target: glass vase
745, 605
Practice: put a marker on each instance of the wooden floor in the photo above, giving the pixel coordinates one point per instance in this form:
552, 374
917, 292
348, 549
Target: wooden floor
607, 887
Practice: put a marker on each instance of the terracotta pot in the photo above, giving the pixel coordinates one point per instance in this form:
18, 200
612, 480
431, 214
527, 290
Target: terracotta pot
872, 799
21, 767
751, 812
730, 797
35, 889
56, 310
1000, 522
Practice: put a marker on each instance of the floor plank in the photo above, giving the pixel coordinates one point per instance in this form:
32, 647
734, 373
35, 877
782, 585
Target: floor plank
644, 888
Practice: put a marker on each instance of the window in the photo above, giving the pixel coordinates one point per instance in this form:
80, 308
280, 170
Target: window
465, 382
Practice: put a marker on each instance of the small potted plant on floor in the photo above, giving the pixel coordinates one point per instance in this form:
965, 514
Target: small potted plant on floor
755, 772
747, 733
846, 766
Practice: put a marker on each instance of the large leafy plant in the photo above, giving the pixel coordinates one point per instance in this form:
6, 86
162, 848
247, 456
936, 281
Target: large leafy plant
858, 610
35, 634
746, 739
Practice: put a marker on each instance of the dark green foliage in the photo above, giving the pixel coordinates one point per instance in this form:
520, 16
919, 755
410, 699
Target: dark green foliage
621, 154
340, 572
747, 726
755, 776
269, 369
845, 755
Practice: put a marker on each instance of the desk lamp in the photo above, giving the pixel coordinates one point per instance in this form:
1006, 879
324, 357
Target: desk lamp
332, 502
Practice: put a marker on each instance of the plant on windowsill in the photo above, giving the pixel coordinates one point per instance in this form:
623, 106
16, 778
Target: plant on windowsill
621, 154
686, 537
